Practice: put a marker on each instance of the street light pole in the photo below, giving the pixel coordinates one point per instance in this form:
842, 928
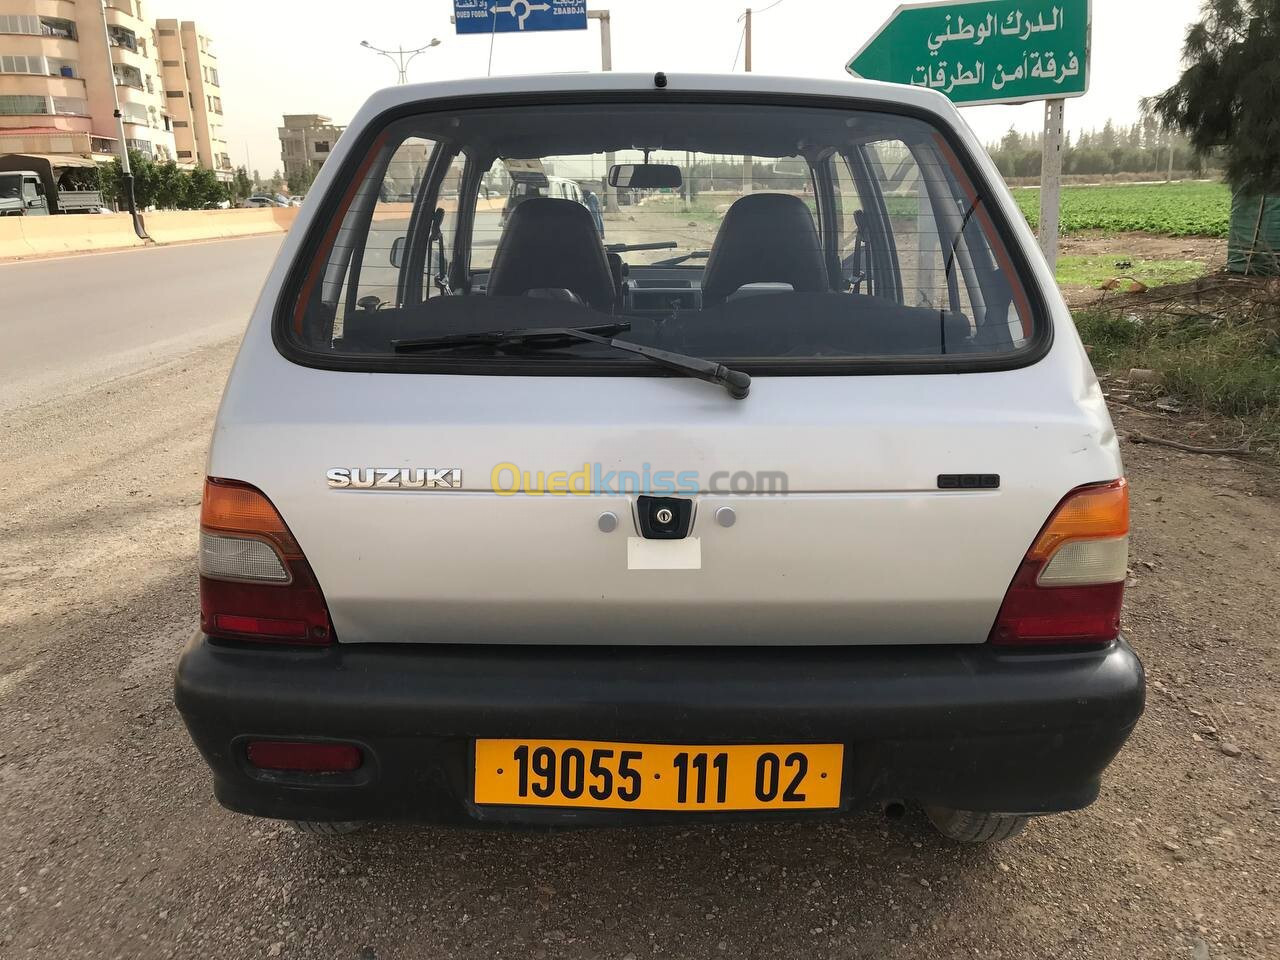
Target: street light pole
130, 202
400, 57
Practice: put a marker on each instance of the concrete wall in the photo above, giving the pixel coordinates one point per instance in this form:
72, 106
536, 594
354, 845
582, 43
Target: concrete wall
41, 236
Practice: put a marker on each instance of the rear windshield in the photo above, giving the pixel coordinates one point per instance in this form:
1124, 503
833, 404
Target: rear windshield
774, 237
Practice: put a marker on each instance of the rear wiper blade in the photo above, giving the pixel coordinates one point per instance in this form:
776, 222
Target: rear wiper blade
544, 336
737, 383
674, 261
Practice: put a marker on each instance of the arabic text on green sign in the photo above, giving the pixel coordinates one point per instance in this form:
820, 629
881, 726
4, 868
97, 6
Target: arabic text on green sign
984, 52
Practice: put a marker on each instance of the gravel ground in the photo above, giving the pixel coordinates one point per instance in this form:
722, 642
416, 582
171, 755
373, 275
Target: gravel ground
112, 846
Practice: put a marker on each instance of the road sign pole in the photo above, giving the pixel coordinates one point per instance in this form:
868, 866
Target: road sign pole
1051, 180
747, 162
606, 64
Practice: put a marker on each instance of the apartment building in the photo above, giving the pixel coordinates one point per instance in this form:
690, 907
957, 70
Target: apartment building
305, 142
60, 59
193, 94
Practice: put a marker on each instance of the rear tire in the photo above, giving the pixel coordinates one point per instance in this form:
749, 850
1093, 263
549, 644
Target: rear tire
326, 828
968, 826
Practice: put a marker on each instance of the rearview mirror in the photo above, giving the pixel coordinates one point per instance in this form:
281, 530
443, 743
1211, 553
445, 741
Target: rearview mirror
397, 252
645, 176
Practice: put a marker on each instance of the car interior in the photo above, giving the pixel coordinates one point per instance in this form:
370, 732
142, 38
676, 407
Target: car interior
855, 234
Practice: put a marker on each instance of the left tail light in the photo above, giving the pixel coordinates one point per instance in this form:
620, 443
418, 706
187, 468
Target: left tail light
255, 583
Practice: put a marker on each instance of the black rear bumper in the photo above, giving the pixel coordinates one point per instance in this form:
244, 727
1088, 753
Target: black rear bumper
968, 728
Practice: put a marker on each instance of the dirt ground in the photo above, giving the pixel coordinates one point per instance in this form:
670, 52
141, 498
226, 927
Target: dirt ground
112, 846
1209, 251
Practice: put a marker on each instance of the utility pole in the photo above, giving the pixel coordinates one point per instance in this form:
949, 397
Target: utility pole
606, 64
748, 163
130, 202
400, 57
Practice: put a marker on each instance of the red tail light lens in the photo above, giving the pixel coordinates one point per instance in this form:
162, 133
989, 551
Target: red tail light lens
255, 583
300, 756
1070, 586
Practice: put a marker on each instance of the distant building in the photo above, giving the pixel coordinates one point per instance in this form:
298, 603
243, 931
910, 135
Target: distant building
58, 63
306, 140
193, 94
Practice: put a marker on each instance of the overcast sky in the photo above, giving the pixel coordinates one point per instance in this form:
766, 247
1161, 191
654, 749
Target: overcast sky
303, 56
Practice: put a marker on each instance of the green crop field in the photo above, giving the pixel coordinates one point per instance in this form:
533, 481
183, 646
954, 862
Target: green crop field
1186, 209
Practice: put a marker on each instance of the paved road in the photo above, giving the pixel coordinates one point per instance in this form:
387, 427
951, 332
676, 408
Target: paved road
111, 845
77, 320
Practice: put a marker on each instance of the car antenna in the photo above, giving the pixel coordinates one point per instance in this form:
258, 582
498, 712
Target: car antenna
659, 79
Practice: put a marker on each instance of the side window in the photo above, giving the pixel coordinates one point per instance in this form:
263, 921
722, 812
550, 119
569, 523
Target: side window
449, 204
377, 279
932, 259
851, 243
29, 191
911, 222
491, 214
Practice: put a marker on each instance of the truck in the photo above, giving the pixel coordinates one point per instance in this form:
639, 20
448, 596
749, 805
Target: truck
39, 185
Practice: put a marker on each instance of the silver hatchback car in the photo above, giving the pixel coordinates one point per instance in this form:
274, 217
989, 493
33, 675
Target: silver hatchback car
793, 493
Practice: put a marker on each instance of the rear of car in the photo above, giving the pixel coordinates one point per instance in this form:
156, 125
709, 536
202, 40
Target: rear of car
478, 543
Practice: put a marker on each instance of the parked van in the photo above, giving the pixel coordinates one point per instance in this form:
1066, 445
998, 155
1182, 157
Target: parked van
806, 507
525, 187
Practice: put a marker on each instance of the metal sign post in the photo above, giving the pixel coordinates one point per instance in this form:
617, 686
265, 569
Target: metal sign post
1051, 180
606, 64
748, 163
999, 51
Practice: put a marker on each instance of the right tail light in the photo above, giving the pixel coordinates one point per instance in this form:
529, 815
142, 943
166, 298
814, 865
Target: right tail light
1070, 586
255, 584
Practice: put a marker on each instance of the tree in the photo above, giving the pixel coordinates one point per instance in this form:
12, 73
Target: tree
1109, 140
172, 187
144, 180
1226, 97
300, 182
241, 186
205, 189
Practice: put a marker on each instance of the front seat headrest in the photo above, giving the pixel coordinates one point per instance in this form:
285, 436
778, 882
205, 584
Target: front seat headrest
765, 238
550, 243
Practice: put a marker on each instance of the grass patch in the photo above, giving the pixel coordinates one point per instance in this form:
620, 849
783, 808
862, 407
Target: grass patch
1226, 364
1092, 271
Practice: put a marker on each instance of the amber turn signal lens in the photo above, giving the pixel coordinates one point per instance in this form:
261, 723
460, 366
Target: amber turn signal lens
1093, 513
231, 507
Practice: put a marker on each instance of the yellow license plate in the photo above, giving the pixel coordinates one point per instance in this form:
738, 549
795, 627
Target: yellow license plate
651, 776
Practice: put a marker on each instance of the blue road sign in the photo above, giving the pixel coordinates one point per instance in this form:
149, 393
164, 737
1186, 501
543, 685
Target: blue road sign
519, 16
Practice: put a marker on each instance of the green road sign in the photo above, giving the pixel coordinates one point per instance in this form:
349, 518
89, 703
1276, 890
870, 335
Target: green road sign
998, 51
